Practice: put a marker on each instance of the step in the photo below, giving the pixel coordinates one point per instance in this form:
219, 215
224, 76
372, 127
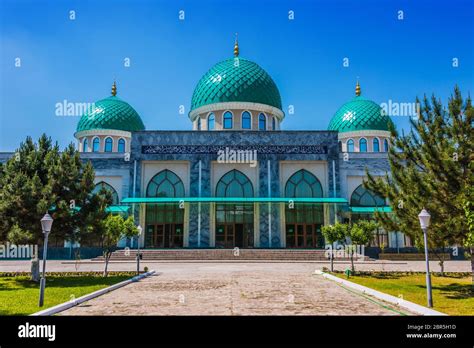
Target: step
222, 254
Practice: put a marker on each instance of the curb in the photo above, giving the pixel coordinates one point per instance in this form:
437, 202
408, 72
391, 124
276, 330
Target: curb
66, 305
382, 296
238, 260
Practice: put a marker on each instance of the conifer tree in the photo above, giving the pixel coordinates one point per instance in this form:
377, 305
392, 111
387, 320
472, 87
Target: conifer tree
38, 178
430, 168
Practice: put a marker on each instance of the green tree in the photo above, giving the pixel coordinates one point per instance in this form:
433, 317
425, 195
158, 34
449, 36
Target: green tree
431, 167
115, 227
468, 203
360, 233
39, 178
332, 234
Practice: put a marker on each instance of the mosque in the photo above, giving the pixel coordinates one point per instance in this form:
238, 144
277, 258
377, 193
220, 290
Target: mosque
276, 189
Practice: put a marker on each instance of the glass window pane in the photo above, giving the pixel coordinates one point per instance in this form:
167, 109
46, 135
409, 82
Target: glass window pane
96, 145
376, 145
227, 120
363, 145
262, 122
210, 121
350, 145
246, 120
108, 145
121, 145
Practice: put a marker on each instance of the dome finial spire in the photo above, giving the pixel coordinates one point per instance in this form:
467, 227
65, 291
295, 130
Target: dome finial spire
236, 45
114, 89
357, 87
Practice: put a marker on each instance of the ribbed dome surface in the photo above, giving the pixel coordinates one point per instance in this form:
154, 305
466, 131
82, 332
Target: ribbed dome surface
236, 79
360, 114
111, 113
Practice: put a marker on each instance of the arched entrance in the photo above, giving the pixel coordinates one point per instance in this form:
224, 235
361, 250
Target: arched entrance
304, 220
362, 197
234, 221
164, 222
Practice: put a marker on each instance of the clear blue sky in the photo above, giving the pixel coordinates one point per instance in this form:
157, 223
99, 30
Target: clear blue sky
78, 60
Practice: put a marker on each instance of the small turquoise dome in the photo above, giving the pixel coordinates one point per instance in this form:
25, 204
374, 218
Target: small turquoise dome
236, 80
360, 114
111, 113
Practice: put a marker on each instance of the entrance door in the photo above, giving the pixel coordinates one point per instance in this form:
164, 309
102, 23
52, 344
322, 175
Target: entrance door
303, 236
239, 235
233, 235
164, 236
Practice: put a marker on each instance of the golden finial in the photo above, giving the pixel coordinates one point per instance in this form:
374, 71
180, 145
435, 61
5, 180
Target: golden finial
236, 46
357, 88
114, 89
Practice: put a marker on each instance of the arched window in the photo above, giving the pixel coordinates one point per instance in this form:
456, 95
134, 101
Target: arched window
350, 145
273, 123
262, 122
165, 184
361, 197
104, 186
230, 215
85, 145
234, 184
340, 145
246, 120
362, 145
303, 184
385, 145
228, 120
121, 145
96, 145
376, 145
199, 123
304, 220
164, 221
210, 121
109, 143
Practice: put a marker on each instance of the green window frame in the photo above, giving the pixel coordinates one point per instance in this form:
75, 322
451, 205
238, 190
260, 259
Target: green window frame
303, 184
361, 197
165, 184
102, 185
234, 184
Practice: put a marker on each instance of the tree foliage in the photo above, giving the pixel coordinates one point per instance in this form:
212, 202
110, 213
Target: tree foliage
115, 227
431, 167
39, 178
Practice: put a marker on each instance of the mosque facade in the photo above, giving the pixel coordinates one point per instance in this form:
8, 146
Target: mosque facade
237, 178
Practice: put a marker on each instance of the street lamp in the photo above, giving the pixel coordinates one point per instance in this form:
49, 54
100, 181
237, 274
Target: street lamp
46, 223
424, 217
139, 228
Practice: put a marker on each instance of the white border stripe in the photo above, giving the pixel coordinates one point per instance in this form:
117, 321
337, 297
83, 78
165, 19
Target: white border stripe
66, 305
382, 296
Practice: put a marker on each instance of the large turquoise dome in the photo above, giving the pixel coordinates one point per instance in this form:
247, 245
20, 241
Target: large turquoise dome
111, 113
236, 80
359, 114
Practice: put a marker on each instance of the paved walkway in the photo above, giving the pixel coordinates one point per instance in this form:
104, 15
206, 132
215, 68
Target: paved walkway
233, 289
380, 265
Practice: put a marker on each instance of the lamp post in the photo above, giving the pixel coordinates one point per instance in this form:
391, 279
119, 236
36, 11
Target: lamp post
46, 223
139, 228
424, 218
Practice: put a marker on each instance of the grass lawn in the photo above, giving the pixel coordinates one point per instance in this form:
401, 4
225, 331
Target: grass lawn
19, 295
452, 294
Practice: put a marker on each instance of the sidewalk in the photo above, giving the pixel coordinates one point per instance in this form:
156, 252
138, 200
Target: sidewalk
380, 265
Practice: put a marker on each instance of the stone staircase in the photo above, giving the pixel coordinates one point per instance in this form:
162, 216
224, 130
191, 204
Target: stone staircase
224, 254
